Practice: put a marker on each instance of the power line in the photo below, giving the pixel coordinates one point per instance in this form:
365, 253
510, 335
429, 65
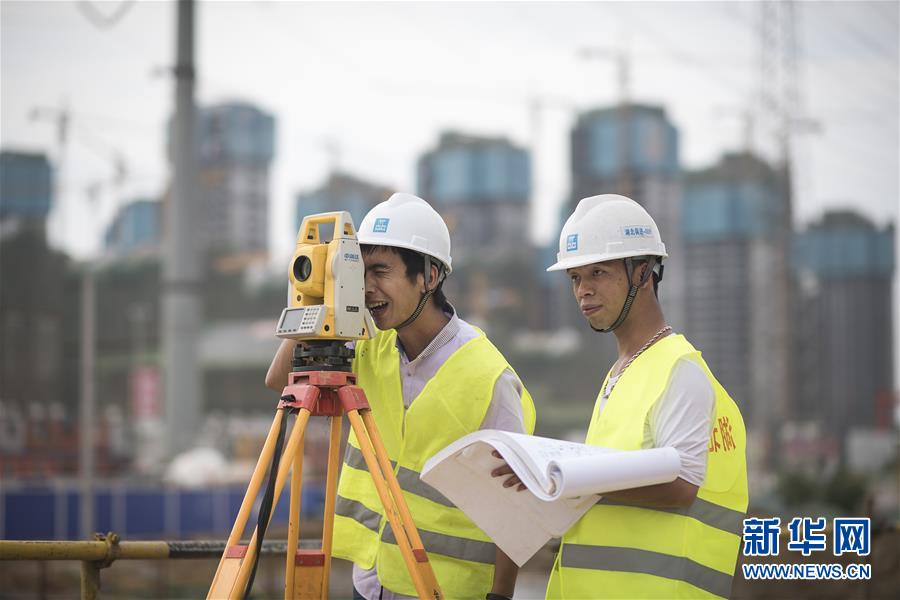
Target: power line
888, 16
672, 49
104, 20
850, 37
866, 40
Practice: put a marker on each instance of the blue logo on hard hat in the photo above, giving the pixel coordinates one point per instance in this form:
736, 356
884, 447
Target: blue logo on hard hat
381, 225
637, 231
572, 242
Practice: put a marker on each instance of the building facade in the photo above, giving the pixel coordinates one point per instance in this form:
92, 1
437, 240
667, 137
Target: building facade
39, 345
736, 282
136, 228
482, 188
26, 189
844, 342
236, 145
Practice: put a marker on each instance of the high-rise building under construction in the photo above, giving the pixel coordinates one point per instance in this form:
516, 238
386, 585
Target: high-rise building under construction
844, 324
733, 218
235, 148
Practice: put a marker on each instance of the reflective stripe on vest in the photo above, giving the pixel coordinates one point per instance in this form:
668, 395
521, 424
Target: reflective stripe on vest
358, 512
632, 560
355, 458
708, 513
448, 545
407, 478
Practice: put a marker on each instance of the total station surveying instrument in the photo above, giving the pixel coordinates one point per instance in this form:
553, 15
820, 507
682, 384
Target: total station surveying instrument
327, 309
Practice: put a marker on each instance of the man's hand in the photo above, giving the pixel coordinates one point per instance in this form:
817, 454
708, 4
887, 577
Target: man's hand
505, 469
276, 377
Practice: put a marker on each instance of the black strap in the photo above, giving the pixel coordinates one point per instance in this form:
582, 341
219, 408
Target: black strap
265, 508
421, 306
633, 290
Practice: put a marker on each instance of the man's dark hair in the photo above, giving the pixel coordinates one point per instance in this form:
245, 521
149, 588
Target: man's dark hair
415, 266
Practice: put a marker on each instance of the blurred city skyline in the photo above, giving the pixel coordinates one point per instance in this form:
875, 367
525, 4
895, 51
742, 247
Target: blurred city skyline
368, 87
503, 116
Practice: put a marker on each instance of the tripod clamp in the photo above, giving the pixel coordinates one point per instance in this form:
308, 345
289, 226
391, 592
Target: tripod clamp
323, 393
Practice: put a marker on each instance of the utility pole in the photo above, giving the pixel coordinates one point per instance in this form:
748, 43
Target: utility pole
87, 410
181, 304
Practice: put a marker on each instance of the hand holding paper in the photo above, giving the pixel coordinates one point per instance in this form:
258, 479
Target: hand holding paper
564, 480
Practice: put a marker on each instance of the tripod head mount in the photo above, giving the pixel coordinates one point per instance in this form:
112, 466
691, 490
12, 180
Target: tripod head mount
322, 355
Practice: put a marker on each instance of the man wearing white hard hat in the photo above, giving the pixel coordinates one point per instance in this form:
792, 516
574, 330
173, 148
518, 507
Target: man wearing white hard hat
674, 540
430, 379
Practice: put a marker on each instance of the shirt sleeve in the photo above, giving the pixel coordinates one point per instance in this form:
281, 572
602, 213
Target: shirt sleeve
682, 419
505, 410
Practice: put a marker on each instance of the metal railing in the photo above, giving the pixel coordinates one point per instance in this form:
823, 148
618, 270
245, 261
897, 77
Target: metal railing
106, 549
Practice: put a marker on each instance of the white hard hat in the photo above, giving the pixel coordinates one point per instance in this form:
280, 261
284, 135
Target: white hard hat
607, 227
407, 221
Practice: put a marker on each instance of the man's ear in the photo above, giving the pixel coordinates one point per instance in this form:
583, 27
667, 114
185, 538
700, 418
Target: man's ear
641, 273
432, 280
637, 273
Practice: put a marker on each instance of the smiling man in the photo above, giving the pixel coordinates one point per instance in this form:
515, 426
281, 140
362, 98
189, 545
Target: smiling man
674, 540
430, 379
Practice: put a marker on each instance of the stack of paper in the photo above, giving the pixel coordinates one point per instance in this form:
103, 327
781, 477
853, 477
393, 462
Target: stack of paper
564, 480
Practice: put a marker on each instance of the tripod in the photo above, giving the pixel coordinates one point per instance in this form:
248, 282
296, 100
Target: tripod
321, 384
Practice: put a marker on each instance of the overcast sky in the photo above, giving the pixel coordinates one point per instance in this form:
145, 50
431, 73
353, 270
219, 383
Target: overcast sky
369, 87
378, 82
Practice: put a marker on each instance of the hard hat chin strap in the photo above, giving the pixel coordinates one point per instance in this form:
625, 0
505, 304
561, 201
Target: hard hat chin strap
426, 295
632, 291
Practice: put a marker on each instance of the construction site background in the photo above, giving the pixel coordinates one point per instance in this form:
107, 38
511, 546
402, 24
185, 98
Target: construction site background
772, 170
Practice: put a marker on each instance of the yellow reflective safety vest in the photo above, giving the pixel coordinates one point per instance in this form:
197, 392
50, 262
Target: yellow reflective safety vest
621, 551
452, 404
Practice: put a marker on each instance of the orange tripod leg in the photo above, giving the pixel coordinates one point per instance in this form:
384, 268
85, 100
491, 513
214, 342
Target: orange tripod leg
237, 563
423, 578
226, 572
293, 443
309, 570
334, 463
294, 521
409, 526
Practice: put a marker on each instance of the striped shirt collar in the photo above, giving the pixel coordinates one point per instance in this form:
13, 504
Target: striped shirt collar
450, 330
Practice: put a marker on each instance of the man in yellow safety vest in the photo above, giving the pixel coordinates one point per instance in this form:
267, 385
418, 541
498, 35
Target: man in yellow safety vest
430, 379
673, 540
